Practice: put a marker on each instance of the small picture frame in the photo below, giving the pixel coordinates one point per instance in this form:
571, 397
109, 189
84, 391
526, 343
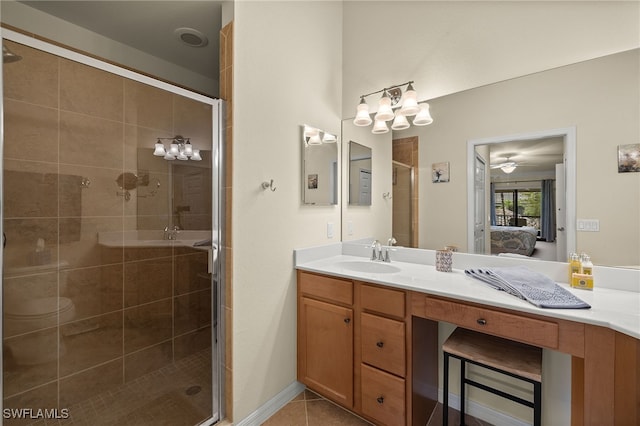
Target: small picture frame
312, 181
629, 158
440, 172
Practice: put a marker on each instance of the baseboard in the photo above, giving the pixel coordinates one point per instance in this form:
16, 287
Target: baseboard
272, 406
483, 412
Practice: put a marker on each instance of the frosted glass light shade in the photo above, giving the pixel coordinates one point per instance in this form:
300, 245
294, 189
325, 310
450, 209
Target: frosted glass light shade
196, 155
182, 157
315, 140
423, 117
385, 113
169, 157
174, 150
400, 122
329, 138
362, 115
380, 127
410, 102
508, 169
188, 149
159, 151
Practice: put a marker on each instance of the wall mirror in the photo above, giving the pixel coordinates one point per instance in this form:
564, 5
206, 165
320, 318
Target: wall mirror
558, 98
360, 174
181, 189
319, 167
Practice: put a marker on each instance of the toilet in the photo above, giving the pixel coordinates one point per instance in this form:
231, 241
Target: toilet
26, 315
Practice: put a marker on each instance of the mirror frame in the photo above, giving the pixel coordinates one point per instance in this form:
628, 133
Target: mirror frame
569, 136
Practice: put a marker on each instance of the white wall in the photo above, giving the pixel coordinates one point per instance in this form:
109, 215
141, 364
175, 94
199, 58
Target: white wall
287, 72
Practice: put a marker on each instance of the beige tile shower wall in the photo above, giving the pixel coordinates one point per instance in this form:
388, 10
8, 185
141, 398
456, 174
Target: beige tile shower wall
226, 93
70, 132
405, 150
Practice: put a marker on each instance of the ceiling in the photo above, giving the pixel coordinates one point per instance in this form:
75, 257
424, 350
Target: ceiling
531, 156
149, 27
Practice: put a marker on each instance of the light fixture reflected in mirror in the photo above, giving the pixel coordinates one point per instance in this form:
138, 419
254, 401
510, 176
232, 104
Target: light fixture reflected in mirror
179, 149
315, 136
406, 105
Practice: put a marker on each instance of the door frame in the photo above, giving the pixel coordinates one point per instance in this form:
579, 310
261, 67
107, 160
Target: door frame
569, 136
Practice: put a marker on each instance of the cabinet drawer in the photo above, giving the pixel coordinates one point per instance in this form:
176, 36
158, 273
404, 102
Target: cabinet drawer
383, 300
527, 330
383, 396
328, 288
383, 343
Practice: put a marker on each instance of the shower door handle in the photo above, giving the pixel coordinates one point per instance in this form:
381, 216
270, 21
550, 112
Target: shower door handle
212, 259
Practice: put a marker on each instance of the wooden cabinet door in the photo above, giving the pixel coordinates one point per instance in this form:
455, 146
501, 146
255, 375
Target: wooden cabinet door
325, 349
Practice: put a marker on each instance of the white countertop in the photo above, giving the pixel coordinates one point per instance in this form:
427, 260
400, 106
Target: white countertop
610, 307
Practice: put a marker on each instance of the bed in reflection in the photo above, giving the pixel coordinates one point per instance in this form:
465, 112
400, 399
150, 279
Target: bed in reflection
513, 239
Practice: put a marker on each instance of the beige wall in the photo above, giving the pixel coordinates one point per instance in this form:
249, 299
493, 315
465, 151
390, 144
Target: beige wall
372, 221
450, 46
598, 97
32, 20
287, 72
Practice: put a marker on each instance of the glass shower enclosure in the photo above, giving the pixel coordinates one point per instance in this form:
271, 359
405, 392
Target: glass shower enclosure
111, 266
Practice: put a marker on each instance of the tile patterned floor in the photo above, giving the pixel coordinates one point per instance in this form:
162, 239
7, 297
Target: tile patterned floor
156, 399
310, 409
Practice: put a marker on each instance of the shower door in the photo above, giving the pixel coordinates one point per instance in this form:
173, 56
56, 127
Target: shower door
402, 199
111, 268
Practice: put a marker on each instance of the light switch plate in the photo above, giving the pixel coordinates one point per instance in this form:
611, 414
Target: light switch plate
329, 229
588, 225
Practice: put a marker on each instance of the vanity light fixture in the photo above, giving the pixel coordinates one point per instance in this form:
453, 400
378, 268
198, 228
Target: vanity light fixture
315, 136
405, 105
179, 149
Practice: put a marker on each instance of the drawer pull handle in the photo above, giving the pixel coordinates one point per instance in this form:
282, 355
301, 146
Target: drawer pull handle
481, 321
347, 320
380, 344
380, 399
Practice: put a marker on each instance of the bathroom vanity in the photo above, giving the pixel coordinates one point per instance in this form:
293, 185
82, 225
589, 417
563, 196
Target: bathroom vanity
369, 340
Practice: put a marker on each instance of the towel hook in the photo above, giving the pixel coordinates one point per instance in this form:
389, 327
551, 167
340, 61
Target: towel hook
268, 185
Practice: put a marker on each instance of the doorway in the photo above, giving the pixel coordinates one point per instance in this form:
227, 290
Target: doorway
509, 162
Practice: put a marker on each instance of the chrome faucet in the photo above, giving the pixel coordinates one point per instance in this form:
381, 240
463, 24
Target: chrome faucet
390, 242
376, 254
171, 233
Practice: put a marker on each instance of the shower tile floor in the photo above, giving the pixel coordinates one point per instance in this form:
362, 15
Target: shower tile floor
160, 398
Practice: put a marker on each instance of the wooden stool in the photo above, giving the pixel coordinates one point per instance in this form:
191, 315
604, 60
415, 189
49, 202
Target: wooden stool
514, 359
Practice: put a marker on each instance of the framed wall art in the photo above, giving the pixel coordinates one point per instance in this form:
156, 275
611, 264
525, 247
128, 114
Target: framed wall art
440, 172
629, 158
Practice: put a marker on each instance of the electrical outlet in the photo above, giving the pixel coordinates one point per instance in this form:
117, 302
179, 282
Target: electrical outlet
349, 228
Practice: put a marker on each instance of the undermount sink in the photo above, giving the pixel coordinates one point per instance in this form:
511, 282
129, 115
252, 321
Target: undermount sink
369, 266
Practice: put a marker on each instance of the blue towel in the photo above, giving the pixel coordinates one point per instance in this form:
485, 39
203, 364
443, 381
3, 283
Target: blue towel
528, 285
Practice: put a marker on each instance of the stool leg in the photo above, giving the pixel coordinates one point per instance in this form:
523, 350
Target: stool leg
445, 391
537, 404
462, 393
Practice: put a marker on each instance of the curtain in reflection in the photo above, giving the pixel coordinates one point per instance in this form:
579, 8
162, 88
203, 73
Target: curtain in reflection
548, 217
493, 204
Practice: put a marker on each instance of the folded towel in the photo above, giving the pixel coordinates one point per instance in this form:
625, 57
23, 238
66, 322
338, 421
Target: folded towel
529, 285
